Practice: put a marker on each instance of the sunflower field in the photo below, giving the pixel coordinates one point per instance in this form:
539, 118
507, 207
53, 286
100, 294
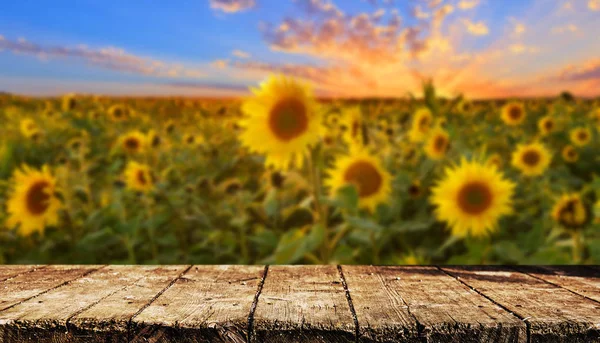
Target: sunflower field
282, 177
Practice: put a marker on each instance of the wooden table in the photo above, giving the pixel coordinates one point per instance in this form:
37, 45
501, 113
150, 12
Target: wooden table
88, 303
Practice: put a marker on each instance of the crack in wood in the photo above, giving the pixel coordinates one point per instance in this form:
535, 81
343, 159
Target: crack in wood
129, 322
12, 276
492, 300
350, 304
250, 334
517, 269
53, 288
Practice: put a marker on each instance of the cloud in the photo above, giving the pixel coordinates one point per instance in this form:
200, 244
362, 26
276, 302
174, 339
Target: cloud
588, 70
468, 4
566, 28
319, 7
232, 6
240, 54
220, 64
519, 48
476, 29
594, 5
418, 13
519, 29
434, 3
110, 58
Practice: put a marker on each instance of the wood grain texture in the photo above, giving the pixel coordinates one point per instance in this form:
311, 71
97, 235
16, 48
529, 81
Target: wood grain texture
46, 318
319, 304
206, 304
110, 318
422, 303
553, 314
10, 271
30, 284
577, 279
303, 304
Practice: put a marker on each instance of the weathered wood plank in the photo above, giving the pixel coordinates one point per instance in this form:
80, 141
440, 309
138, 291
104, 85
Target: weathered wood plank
10, 271
553, 314
30, 284
206, 304
45, 318
578, 279
303, 304
415, 303
109, 319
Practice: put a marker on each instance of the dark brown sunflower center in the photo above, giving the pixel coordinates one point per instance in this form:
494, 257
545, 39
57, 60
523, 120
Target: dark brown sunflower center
474, 198
571, 153
573, 213
582, 135
531, 158
414, 190
365, 177
424, 123
72, 103
141, 177
118, 113
277, 179
288, 119
132, 143
37, 198
515, 113
549, 125
440, 144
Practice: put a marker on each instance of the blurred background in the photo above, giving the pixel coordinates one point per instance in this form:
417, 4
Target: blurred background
306, 131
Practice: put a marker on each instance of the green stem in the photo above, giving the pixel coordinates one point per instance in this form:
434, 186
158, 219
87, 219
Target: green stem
315, 177
577, 246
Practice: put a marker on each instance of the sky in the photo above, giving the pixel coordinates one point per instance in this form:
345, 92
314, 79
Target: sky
344, 48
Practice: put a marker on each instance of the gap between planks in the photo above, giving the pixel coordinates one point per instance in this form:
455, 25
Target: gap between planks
492, 300
264, 277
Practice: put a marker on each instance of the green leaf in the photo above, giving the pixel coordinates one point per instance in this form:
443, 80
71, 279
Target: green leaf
347, 197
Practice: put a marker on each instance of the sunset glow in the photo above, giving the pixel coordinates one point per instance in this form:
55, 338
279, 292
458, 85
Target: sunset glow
354, 48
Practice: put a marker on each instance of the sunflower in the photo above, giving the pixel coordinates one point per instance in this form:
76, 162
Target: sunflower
33, 205
29, 129
352, 126
513, 113
191, 139
139, 177
569, 154
69, 102
531, 159
133, 142
48, 113
421, 123
570, 211
580, 136
415, 190
472, 197
546, 125
169, 126
595, 116
117, 113
366, 173
153, 139
410, 154
495, 160
437, 144
281, 121
465, 107
333, 119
